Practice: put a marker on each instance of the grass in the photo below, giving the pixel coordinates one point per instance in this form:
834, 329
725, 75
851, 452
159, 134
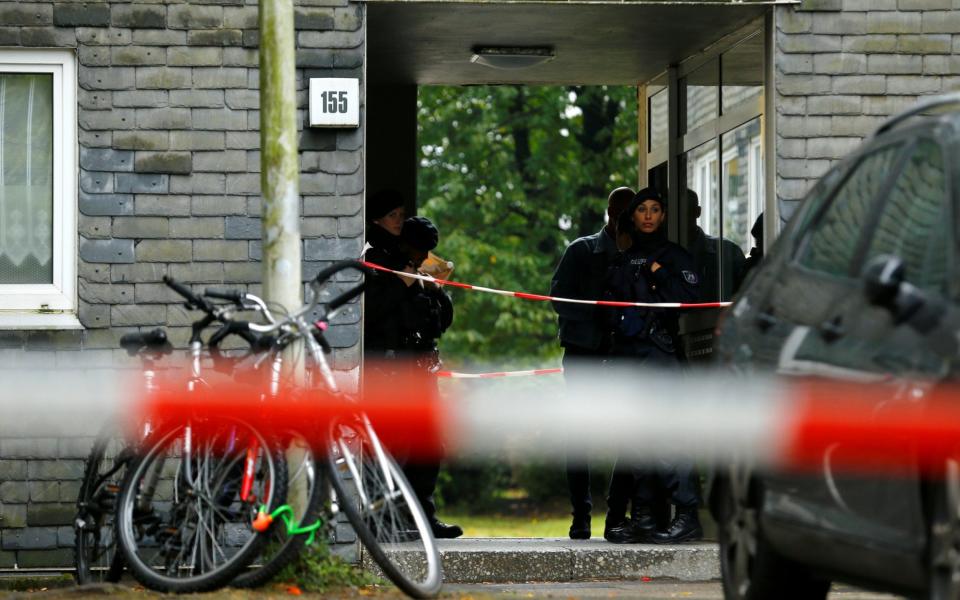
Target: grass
512, 515
537, 526
501, 525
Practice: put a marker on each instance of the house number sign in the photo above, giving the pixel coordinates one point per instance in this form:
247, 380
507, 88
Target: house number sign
334, 102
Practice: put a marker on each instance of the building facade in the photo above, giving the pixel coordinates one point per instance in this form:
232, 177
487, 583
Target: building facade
129, 149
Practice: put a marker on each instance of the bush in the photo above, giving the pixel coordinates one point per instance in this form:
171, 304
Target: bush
317, 570
543, 482
473, 484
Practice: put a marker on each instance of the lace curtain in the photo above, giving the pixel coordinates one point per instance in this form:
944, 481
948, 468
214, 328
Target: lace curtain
26, 178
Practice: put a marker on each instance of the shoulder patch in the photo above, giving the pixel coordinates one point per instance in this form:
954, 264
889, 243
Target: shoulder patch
690, 277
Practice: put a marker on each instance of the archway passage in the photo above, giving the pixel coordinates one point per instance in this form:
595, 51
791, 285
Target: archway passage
413, 48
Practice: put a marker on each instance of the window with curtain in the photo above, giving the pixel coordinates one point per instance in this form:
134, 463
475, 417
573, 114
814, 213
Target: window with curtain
26, 178
38, 187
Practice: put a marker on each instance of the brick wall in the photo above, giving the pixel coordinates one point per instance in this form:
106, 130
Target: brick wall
168, 128
843, 67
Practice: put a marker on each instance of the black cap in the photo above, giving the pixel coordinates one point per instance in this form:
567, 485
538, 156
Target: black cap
420, 233
647, 193
382, 202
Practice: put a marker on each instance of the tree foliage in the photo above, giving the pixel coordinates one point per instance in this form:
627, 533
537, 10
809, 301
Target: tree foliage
511, 175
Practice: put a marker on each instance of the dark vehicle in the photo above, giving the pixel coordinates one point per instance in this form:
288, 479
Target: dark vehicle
861, 286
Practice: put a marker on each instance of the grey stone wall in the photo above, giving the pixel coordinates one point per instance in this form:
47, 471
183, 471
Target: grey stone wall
168, 128
843, 67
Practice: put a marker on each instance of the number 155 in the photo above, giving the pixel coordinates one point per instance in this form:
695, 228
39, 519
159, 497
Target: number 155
334, 102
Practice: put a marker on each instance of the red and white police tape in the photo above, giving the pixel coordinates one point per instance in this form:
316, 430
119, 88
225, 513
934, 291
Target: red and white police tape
890, 426
542, 298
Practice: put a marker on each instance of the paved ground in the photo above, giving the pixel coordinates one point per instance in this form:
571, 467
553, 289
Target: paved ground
658, 589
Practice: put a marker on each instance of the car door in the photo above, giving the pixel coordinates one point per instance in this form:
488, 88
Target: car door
791, 326
808, 303
909, 215
914, 223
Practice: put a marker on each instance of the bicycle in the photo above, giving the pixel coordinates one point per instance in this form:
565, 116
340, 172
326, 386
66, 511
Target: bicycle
95, 556
186, 504
367, 484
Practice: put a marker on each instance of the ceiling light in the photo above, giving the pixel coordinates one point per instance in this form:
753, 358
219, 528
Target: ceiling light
512, 57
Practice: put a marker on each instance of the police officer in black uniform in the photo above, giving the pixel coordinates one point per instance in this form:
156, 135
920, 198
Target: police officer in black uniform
404, 320
652, 269
586, 345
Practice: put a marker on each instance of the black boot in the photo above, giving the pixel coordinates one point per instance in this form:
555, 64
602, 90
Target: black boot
684, 528
580, 527
614, 521
445, 531
636, 530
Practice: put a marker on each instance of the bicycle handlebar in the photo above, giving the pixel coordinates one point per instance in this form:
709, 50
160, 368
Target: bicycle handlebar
193, 301
232, 295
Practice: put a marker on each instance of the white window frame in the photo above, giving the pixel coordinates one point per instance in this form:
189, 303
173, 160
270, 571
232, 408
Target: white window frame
756, 187
705, 185
54, 305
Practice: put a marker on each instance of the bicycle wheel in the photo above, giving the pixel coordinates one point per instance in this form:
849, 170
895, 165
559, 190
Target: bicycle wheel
95, 553
305, 496
185, 511
380, 504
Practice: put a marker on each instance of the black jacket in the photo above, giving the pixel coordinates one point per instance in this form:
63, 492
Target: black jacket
384, 248
580, 275
401, 318
630, 279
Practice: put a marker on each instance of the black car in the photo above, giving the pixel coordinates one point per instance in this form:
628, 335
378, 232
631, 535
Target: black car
861, 286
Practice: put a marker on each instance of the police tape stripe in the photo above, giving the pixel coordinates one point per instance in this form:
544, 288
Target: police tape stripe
643, 415
542, 298
497, 374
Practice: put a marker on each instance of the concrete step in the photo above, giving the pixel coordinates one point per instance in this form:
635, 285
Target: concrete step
522, 560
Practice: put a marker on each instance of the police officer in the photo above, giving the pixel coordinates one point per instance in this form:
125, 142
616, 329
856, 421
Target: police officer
404, 320
385, 217
704, 249
652, 269
586, 345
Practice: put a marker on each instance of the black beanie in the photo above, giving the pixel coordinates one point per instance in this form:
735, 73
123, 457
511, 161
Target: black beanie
420, 233
382, 202
647, 193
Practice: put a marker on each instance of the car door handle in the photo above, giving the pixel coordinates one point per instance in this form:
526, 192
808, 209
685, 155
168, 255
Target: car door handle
833, 329
765, 319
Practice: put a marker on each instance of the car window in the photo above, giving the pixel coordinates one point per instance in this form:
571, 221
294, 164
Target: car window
915, 220
797, 227
832, 242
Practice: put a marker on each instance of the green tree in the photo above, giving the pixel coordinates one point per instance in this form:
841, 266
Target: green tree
511, 175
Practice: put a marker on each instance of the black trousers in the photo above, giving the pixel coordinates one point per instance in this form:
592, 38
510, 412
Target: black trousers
678, 480
581, 364
422, 476
659, 480
423, 480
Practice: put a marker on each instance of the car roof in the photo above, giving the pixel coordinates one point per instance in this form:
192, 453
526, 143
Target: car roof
937, 109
